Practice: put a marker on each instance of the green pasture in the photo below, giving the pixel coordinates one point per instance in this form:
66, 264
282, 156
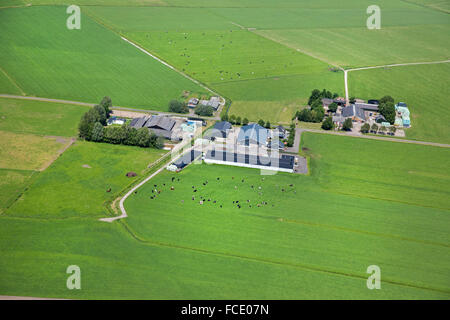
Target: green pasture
77, 183
7, 86
42, 118
48, 60
358, 46
12, 182
351, 212
114, 265
425, 88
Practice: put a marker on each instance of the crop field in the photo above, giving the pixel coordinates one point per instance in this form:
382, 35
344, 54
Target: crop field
82, 65
41, 118
77, 183
316, 242
12, 182
424, 88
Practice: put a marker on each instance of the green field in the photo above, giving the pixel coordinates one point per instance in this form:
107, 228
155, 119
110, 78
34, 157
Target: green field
48, 60
77, 183
12, 183
42, 118
313, 243
424, 88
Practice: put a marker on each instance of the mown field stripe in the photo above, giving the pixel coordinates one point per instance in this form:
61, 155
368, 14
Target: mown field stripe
282, 263
12, 81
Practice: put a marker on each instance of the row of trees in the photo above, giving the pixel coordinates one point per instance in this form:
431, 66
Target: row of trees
178, 107
234, 120
328, 124
375, 128
206, 111
92, 128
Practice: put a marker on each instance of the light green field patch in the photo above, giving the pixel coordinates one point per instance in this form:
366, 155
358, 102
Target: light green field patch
7, 85
77, 183
101, 2
277, 112
48, 60
28, 151
12, 182
442, 5
38, 117
354, 47
424, 88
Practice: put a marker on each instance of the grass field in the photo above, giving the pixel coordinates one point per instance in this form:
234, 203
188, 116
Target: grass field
12, 183
41, 118
424, 88
314, 243
351, 212
27, 151
77, 183
82, 65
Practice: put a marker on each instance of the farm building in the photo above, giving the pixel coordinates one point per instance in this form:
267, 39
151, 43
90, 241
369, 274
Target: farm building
253, 134
339, 101
281, 131
193, 102
403, 110
367, 106
213, 102
338, 120
161, 126
220, 130
186, 159
285, 163
354, 112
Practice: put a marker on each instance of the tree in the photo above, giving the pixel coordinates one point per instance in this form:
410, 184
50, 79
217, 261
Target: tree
245, 121
267, 125
374, 128
305, 115
206, 111
224, 117
261, 122
352, 100
143, 137
106, 103
387, 110
97, 132
238, 121
365, 128
232, 119
87, 123
318, 114
315, 94
386, 99
335, 95
382, 129
333, 107
178, 107
101, 113
328, 124
347, 125
316, 104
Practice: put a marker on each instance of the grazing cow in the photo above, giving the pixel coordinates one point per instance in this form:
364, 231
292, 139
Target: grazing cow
109, 190
172, 188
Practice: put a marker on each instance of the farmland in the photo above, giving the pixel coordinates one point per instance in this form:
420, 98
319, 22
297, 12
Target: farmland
74, 65
425, 88
41, 118
338, 230
77, 183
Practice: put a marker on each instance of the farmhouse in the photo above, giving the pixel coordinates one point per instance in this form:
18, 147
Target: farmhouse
213, 102
354, 112
193, 103
253, 134
367, 106
285, 163
165, 127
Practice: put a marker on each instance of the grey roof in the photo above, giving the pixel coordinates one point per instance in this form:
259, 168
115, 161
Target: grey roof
139, 123
367, 106
327, 101
338, 119
222, 126
284, 162
186, 159
161, 123
134, 121
353, 111
281, 128
253, 133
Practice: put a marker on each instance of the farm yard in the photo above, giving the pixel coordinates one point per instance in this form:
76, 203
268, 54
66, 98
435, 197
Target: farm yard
212, 231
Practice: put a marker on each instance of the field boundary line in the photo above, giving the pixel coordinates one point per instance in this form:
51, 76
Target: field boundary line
12, 81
